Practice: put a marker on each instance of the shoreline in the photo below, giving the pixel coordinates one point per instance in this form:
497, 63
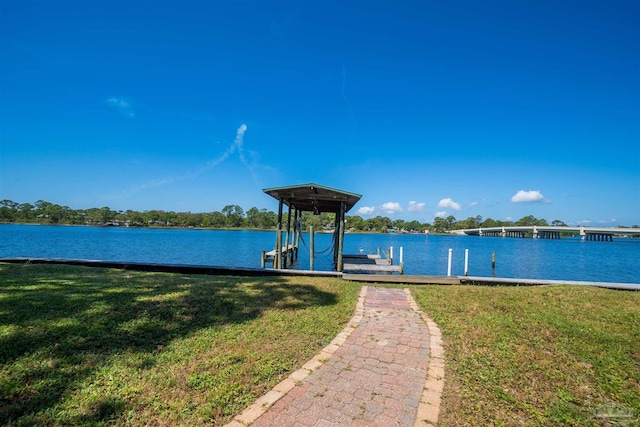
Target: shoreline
367, 278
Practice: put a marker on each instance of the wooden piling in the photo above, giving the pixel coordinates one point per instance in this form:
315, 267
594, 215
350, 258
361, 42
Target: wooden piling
278, 258
312, 250
299, 231
493, 260
287, 238
341, 236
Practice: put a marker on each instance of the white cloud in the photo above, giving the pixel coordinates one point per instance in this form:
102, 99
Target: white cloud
584, 222
367, 210
415, 206
607, 221
532, 196
440, 214
391, 208
450, 204
122, 105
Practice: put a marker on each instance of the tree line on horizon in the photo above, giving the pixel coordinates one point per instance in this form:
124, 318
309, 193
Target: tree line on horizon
234, 217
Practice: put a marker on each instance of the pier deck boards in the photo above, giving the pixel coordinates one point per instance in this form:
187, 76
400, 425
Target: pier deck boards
412, 280
284, 250
372, 268
288, 253
370, 263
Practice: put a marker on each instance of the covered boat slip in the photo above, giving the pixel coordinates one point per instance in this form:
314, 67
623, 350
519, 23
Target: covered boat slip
317, 199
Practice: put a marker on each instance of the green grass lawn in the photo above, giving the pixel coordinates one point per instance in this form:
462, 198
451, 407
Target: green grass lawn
91, 346
549, 356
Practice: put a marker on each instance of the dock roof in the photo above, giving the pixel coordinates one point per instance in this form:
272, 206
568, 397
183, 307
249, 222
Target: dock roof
314, 198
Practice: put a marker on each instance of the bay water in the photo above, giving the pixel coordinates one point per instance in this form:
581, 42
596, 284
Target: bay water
522, 258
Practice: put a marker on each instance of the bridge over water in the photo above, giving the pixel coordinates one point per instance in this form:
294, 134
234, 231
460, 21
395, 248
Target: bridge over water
552, 232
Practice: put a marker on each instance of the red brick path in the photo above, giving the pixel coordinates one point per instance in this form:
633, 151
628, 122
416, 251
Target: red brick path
375, 378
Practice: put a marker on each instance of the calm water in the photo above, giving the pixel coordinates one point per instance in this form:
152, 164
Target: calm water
566, 259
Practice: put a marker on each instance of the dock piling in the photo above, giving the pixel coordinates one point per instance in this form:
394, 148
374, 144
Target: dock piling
311, 247
278, 256
449, 262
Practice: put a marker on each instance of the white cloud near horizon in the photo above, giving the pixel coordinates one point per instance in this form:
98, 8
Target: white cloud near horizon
366, 210
533, 196
450, 204
440, 214
607, 221
588, 222
389, 208
416, 206
123, 105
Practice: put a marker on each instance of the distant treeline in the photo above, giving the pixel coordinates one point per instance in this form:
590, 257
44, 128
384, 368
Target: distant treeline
232, 216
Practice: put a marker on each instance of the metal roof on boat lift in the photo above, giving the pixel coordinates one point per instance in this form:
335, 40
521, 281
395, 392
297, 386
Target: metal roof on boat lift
314, 198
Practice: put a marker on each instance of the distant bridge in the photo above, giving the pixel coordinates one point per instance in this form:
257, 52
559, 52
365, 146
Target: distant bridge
551, 232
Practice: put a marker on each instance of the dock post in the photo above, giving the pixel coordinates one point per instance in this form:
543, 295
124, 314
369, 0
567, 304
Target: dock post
298, 223
278, 258
277, 262
493, 260
311, 247
390, 255
401, 261
466, 262
449, 262
262, 258
341, 236
287, 254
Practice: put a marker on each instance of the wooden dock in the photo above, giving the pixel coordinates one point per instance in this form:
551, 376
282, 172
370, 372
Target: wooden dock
370, 263
288, 252
405, 280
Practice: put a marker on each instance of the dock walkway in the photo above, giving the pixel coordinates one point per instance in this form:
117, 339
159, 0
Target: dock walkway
371, 263
288, 252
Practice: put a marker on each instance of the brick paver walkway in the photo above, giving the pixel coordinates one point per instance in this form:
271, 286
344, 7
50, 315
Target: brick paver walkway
376, 377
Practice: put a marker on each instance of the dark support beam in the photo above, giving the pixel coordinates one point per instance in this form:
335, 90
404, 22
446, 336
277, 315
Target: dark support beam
298, 224
336, 230
341, 236
286, 240
278, 248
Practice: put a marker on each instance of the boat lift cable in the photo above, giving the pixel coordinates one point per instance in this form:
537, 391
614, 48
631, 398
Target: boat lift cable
321, 260
329, 249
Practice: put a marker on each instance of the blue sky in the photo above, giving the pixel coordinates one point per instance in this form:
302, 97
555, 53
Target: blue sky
495, 108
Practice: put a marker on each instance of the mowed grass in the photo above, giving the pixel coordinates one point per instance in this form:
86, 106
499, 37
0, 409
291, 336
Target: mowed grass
547, 356
91, 346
